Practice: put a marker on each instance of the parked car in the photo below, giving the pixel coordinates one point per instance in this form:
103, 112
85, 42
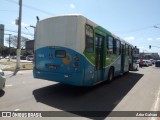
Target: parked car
2, 79
143, 63
1, 57
149, 62
135, 65
7, 57
14, 57
23, 57
157, 63
137, 61
30, 57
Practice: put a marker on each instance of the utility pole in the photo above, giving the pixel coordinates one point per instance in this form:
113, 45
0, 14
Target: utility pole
9, 47
19, 36
9, 57
34, 29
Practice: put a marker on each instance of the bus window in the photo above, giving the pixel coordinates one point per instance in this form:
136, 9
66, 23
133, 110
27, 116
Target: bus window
60, 53
130, 51
110, 45
114, 46
89, 39
118, 47
127, 51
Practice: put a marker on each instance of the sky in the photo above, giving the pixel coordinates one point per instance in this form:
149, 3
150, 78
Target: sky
131, 20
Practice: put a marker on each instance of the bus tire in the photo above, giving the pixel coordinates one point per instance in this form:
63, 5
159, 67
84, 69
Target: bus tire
110, 75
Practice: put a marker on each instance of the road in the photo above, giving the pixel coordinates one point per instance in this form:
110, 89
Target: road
136, 91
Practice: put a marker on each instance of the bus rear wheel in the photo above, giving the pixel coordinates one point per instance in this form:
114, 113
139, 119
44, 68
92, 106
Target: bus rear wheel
110, 75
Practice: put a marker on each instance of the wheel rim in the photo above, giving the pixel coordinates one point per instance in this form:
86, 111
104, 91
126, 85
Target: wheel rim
110, 76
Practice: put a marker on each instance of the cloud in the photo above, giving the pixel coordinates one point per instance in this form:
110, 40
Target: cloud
141, 47
130, 38
23, 24
158, 38
149, 39
72, 6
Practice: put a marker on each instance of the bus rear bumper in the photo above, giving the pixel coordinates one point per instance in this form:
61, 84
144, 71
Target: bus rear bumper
72, 79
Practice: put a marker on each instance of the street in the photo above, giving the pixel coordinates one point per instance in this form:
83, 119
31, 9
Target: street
135, 91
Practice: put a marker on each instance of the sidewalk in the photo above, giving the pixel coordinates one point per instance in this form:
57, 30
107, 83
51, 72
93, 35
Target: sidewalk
10, 73
10, 65
14, 60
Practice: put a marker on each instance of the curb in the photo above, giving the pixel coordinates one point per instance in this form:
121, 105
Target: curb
9, 73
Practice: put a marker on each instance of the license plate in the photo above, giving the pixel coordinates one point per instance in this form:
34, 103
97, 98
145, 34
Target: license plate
53, 67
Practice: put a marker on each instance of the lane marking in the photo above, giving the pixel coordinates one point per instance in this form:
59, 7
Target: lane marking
16, 109
156, 104
9, 85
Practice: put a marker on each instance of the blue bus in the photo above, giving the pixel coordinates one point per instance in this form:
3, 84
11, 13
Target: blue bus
74, 50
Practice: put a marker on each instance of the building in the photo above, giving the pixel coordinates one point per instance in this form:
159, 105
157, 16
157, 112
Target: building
1, 35
149, 56
30, 45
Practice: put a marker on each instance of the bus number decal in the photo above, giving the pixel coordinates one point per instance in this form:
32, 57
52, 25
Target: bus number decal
67, 59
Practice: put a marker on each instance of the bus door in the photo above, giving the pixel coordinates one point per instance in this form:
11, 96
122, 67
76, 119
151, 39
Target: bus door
122, 58
99, 41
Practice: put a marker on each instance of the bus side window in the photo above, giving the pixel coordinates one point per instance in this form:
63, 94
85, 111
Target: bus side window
118, 47
114, 46
89, 42
130, 51
110, 45
127, 51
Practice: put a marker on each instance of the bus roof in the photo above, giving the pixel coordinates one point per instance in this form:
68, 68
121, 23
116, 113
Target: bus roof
100, 27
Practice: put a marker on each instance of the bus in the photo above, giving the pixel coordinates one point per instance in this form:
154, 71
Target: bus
74, 50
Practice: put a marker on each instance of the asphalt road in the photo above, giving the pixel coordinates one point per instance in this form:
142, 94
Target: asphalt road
136, 91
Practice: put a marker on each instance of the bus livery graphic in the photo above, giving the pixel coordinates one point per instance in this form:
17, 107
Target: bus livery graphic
74, 50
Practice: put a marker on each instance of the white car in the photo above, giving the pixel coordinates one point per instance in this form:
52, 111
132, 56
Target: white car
135, 66
2, 79
30, 57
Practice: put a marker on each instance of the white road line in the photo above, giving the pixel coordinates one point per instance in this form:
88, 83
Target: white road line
9, 85
156, 104
157, 101
16, 109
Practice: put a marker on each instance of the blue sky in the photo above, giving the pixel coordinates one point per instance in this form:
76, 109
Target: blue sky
132, 20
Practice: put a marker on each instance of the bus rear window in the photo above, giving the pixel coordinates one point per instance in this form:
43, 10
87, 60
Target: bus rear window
60, 53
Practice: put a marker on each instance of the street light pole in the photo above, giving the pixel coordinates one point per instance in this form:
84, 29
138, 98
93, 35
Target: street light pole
34, 29
9, 46
19, 36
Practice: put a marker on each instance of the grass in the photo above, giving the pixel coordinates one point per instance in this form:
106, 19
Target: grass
23, 66
7, 63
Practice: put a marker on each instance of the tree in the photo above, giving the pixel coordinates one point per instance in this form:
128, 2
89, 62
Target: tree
13, 41
1, 49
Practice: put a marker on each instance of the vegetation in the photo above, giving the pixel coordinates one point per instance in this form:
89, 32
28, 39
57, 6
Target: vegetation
23, 66
4, 51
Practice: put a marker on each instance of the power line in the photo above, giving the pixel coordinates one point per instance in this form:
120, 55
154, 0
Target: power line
140, 29
14, 31
8, 11
33, 8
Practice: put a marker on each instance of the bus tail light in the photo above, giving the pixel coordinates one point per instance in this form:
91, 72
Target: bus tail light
76, 64
76, 58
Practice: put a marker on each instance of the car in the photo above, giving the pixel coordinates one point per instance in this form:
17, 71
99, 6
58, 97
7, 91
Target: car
144, 63
23, 57
7, 57
30, 58
149, 62
2, 80
1, 57
137, 61
135, 65
157, 63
